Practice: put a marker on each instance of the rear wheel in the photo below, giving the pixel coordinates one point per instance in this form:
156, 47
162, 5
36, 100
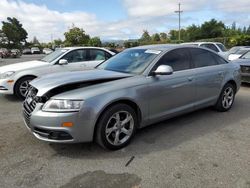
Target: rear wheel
116, 127
22, 86
226, 99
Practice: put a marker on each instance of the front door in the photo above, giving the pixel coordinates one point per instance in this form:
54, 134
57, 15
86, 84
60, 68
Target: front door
170, 94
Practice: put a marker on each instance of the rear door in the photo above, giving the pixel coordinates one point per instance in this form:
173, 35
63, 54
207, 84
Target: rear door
209, 75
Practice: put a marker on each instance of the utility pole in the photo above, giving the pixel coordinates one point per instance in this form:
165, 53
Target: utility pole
179, 12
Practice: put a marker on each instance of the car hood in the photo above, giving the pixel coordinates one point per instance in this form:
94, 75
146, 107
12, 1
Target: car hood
245, 62
22, 66
65, 81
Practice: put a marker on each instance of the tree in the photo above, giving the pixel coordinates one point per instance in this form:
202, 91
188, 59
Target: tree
3, 39
95, 41
57, 43
35, 41
193, 33
248, 30
156, 37
145, 36
76, 37
212, 29
14, 32
163, 36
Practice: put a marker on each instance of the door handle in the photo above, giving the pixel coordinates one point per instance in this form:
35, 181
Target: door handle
190, 79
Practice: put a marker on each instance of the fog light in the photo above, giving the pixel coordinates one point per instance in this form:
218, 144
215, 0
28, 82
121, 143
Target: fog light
67, 124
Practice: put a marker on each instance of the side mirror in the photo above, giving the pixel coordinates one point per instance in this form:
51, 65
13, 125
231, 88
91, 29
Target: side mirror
163, 70
63, 62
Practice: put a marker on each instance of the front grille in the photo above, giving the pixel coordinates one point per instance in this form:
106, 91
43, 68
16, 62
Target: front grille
29, 104
245, 69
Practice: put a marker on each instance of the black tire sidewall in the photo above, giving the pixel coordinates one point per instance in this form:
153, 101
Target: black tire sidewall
101, 126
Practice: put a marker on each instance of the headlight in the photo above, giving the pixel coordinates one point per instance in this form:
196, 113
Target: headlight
6, 74
62, 105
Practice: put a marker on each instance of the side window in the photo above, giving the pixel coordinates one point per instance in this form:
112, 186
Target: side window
202, 58
211, 47
107, 55
177, 59
96, 55
76, 56
220, 60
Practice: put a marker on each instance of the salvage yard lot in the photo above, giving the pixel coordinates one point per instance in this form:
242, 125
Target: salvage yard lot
202, 149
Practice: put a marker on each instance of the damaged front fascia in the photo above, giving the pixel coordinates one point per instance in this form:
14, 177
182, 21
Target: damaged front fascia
72, 86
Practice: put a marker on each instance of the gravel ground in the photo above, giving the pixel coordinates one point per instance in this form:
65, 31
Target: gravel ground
201, 149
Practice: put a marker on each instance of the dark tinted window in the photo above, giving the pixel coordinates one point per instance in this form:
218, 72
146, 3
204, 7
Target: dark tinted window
177, 59
219, 59
97, 55
76, 56
222, 47
202, 58
211, 47
107, 55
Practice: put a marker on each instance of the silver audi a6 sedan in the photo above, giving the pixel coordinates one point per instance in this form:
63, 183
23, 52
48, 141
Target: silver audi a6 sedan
138, 87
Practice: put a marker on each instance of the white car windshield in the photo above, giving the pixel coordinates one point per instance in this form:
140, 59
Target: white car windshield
132, 61
54, 55
246, 55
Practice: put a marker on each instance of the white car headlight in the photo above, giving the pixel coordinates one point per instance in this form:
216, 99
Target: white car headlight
56, 105
6, 74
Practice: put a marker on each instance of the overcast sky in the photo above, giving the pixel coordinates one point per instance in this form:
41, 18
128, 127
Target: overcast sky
118, 19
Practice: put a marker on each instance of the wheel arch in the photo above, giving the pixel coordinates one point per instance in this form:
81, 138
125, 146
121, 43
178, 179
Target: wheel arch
24, 76
126, 101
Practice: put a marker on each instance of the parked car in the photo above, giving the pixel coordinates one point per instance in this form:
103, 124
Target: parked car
15, 53
215, 46
238, 53
27, 51
131, 90
35, 50
244, 62
47, 51
4, 53
15, 78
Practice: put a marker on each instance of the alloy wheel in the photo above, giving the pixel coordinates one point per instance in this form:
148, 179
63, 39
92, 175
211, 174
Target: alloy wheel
228, 97
119, 128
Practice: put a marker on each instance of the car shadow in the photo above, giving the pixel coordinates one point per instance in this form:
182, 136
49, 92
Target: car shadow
11, 98
163, 136
245, 84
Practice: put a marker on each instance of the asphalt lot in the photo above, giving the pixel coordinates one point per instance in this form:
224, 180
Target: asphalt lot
202, 149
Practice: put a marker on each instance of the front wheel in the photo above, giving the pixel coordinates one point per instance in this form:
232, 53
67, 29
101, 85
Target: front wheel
22, 86
116, 127
226, 99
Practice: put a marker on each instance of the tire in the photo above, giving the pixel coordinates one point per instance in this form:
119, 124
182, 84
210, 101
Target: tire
226, 99
20, 93
111, 136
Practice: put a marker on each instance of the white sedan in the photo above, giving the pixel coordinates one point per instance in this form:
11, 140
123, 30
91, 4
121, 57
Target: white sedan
15, 78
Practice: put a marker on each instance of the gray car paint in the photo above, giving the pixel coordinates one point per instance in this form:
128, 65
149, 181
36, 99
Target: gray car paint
157, 97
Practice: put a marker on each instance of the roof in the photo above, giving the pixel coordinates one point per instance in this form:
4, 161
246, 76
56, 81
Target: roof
82, 47
198, 43
161, 47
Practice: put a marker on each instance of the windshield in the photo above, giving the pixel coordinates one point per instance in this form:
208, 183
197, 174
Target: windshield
54, 55
222, 47
246, 55
242, 51
133, 61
